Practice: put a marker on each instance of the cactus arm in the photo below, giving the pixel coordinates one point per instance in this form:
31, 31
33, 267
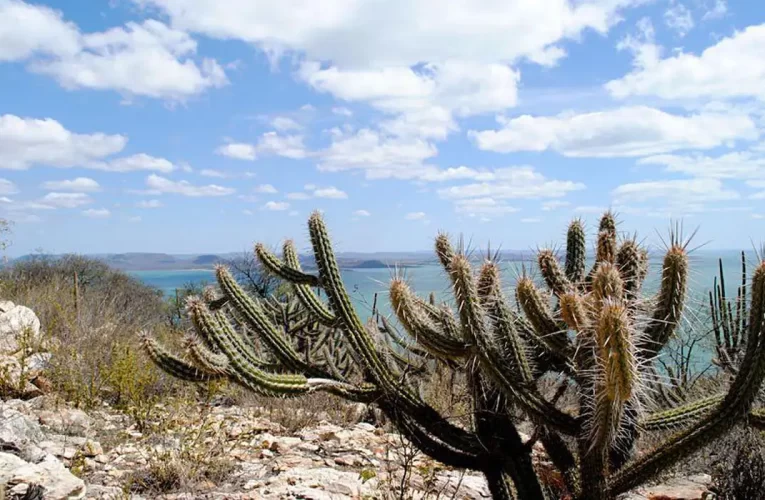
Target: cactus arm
444, 250
203, 357
257, 320
576, 251
363, 346
282, 269
419, 327
729, 412
173, 365
473, 322
669, 303
680, 416
553, 338
304, 293
553, 275
628, 261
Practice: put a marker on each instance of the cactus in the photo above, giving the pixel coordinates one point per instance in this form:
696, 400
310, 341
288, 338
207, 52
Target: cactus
593, 329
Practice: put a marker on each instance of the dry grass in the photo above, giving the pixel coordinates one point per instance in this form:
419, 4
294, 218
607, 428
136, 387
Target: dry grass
91, 328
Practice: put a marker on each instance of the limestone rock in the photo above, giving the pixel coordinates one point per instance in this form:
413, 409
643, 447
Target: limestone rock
57, 482
19, 327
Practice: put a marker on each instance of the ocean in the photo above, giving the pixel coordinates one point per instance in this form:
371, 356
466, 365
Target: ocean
362, 284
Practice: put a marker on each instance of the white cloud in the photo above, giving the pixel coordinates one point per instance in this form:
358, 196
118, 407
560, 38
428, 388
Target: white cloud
342, 111
27, 29
357, 33
97, 213
678, 18
133, 163
735, 165
627, 131
276, 206
134, 219
718, 10
149, 204
378, 156
8, 187
270, 143
362, 213
25, 142
289, 146
147, 59
63, 200
209, 172
81, 184
675, 191
284, 123
330, 192
513, 183
238, 151
733, 67
424, 102
163, 185
266, 189
548, 206
415, 216
298, 195
484, 206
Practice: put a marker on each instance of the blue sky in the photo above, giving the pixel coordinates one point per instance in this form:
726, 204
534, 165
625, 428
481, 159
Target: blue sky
189, 126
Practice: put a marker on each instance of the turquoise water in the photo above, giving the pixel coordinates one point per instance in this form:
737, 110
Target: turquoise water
362, 284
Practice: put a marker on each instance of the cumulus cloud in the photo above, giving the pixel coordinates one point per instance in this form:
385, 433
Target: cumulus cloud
735, 165
270, 143
362, 213
81, 184
276, 206
415, 216
97, 213
63, 200
266, 189
678, 18
627, 131
513, 183
159, 184
238, 151
146, 59
330, 192
484, 31
675, 191
733, 67
28, 142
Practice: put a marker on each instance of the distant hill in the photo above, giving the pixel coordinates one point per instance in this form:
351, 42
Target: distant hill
206, 260
139, 261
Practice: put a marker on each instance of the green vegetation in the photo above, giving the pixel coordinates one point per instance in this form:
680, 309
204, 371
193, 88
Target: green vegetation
594, 332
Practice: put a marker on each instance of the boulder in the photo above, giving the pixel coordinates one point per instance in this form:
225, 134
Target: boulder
19, 434
19, 327
50, 474
66, 421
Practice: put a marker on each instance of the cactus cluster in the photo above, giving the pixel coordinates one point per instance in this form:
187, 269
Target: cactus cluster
591, 328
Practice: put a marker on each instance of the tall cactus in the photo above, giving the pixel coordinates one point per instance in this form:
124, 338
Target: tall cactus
588, 329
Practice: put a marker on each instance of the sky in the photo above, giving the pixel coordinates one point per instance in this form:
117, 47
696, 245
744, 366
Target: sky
191, 126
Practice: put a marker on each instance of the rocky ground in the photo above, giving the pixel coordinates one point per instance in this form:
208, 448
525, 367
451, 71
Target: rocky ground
226, 452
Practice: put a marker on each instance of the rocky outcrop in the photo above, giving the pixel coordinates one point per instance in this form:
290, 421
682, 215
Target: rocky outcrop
22, 356
229, 452
25, 462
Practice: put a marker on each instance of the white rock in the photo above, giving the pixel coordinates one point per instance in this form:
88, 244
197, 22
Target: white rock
19, 326
57, 481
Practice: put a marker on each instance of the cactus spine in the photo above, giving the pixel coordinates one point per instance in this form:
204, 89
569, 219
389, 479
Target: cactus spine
585, 328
